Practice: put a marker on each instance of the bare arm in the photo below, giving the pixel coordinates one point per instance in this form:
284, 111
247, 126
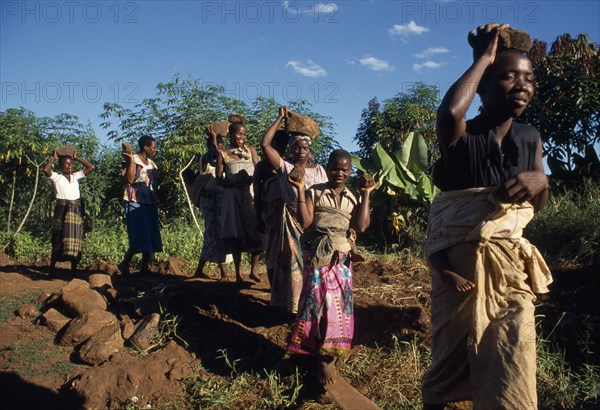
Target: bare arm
88, 166
129, 170
48, 167
254, 154
271, 153
305, 204
529, 186
362, 218
451, 124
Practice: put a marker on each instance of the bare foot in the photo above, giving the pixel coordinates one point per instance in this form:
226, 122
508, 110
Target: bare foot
462, 284
356, 258
255, 278
201, 275
227, 278
326, 369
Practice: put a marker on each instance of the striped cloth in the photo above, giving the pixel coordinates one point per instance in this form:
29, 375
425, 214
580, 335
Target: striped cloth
67, 230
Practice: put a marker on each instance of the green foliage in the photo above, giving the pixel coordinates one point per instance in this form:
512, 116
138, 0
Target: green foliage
26, 246
389, 126
566, 105
177, 117
403, 193
573, 220
105, 243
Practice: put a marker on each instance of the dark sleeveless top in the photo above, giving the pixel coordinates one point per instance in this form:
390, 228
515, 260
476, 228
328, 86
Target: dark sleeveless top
478, 160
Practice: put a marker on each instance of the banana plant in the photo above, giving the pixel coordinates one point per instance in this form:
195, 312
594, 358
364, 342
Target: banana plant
403, 171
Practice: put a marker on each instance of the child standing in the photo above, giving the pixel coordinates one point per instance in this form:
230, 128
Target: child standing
325, 322
67, 223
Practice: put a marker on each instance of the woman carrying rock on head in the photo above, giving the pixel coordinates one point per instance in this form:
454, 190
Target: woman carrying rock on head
484, 273
239, 231
67, 223
286, 283
141, 204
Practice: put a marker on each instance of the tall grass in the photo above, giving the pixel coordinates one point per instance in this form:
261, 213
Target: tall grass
567, 229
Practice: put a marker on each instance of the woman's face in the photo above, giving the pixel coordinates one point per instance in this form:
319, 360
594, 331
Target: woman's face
239, 137
150, 150
510, 86
66, 165
301, 151
338, 172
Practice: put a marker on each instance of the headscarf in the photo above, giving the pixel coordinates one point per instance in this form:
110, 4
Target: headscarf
297, 138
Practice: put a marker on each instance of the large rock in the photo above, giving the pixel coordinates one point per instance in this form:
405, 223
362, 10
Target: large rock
100, 281
299, 124
102, 345
220, 128
155, 379
28, 311
145, 332
54, 320
79, 298
175, 266
85, 326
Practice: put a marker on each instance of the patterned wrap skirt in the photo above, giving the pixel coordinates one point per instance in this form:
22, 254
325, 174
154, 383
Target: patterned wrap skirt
67, 230
325, 322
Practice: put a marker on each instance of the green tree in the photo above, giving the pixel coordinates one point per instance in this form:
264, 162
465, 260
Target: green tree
26, 143
390, 123
177, 117
566, 105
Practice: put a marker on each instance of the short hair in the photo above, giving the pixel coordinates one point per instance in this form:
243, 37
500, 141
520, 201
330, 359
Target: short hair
490, 69
209, 141
145, 141
338, 154
63, 158
234, 127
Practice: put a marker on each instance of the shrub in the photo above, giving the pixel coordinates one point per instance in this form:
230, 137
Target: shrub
567, 229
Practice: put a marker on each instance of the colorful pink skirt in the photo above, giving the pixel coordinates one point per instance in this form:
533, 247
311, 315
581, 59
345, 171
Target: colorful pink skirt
325, 322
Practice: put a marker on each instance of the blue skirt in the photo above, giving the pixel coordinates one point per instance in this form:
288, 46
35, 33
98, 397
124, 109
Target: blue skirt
142, 227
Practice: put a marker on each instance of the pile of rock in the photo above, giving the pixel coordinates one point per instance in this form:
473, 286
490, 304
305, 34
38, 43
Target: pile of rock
81, 317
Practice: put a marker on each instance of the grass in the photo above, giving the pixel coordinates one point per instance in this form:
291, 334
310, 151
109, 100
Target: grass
10, 303
567, 229
38, 358
560, 385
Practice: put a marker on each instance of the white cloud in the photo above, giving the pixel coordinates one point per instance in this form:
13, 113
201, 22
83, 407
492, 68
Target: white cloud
431, 51
310, 69
325, 8
405, 30
317, 8
427, 64
375, 64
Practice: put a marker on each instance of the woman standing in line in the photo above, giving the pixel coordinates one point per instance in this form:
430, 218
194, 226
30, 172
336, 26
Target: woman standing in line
141, 204
67, 223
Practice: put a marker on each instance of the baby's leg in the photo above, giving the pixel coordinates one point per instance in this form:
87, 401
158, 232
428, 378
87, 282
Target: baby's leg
440, 263
461, 284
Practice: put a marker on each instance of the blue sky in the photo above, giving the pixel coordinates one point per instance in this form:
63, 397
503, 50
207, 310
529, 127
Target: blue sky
72, 56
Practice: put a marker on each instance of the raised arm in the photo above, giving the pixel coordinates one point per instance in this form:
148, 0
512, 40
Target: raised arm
88, 166
305, 204
48, 167
129, 170
451, 124
362, 218
271, 153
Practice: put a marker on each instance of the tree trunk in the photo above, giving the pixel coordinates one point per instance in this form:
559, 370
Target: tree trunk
37, 178
187, 195
12, 201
